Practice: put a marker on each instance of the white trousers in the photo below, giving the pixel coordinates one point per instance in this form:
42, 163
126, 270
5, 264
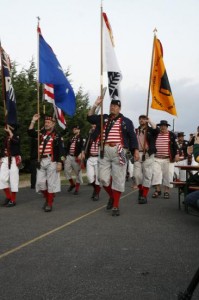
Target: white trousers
178, 173
47, 177
71, 165
9, 178
143, 170
92, 169
163, 171
110, 169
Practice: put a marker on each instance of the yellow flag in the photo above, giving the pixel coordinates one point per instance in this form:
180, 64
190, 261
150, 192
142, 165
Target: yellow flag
162, 98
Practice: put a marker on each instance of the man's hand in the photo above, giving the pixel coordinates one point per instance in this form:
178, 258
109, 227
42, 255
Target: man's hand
136, 155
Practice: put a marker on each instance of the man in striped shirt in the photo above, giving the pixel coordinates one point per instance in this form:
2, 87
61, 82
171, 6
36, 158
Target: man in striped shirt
118, 135
165, 157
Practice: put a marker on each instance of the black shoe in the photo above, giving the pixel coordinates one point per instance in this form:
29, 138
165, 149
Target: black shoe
93, 194
71, 187
6, 202
142, 200
96, 197
45, 204
10, 204
115, 211
109, 204
75, 192
48, 208
139, 194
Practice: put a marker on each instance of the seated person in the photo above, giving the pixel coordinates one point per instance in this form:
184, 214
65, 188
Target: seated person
192, 199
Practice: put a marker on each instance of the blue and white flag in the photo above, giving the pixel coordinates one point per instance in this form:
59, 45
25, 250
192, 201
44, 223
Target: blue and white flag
51, 72
10, 100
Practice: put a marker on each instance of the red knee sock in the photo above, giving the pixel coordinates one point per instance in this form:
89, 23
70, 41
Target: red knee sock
77, 186
45, 194
108, 189
145, 191
50, 199
7, 193
97, 189
13, 196
116, 198
71, 181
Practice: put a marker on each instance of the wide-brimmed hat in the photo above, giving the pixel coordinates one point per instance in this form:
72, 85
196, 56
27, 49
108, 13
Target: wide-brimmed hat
180, 134
163, 122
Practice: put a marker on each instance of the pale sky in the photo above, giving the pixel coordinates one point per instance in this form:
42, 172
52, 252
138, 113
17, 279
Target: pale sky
72, 29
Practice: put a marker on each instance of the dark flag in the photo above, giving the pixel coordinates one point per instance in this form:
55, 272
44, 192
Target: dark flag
9, 94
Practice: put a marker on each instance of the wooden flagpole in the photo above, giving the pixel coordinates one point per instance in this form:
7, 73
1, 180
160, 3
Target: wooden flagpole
38, 85
101, 85
152, 59
3, 86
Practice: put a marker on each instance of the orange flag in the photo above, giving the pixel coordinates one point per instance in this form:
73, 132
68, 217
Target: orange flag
162, 98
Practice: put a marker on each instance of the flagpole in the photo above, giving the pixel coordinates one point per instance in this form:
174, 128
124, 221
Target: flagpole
152, 59
38, 85
101, 84
3, 86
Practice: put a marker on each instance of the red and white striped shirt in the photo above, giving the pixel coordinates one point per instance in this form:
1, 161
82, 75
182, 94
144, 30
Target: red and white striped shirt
114, 135
48, 148
94, 149
162, 144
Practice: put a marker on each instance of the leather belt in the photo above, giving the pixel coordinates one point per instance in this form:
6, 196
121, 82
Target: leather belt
111, 144
45, 156
94, 155
71, 154
162, 157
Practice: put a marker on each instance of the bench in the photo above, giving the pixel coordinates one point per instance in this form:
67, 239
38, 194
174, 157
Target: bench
180, 185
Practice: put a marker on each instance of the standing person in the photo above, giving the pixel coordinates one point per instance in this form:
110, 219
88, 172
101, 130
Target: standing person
166, 155
10, 159
33, 161
183, 157
143, 168
91, 152
51, 153
118, 136
73, 162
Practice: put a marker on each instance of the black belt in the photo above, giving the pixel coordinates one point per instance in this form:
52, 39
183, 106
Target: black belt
162, 157
45, 156
71, 154
94, 155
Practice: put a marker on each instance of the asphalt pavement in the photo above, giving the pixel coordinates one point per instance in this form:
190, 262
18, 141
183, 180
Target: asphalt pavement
79, 251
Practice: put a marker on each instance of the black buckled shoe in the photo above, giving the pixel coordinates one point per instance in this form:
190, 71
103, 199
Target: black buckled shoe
142, 200
109, 204
96, 197
6, 202
48, 208
71, 187
10, 204
45, 204
115, 211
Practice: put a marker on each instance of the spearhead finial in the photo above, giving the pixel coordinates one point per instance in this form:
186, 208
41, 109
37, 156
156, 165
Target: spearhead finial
155, 31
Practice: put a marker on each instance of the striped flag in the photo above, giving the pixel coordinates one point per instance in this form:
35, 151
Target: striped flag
110, 63
50, 97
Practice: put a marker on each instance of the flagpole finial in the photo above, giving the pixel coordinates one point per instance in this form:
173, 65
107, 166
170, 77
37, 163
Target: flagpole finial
38, 18
155, 31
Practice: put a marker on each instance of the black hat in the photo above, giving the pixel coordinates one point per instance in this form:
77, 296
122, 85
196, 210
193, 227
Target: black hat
47, 117
116, 102
180, 134
163, 122
143, 117
76, 126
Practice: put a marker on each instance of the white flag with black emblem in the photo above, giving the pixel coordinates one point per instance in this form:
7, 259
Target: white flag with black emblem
110, 64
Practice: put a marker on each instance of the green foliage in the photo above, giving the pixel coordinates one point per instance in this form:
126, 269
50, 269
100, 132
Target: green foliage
26, 87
